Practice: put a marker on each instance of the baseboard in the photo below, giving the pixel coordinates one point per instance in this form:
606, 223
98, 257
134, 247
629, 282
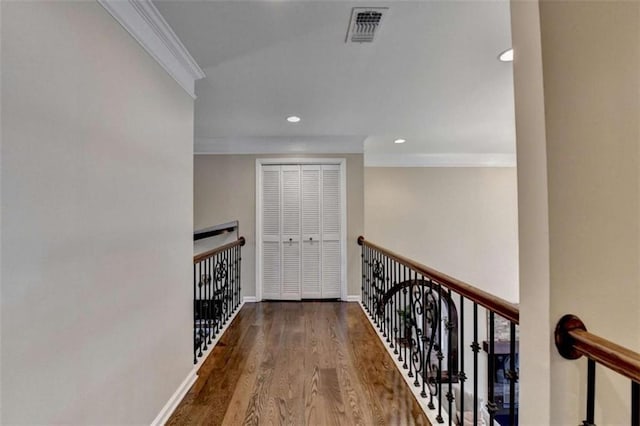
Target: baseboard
171, 405
422, 402
353, 298
249, 299
176, 398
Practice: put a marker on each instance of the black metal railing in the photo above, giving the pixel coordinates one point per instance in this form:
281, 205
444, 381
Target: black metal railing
422, 315
216, 292
573, 341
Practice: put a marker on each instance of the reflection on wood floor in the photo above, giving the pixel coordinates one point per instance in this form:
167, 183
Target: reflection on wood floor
299, 363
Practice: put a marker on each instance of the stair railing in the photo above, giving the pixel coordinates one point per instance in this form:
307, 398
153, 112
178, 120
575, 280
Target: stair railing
574, 341
420, 314
216, 292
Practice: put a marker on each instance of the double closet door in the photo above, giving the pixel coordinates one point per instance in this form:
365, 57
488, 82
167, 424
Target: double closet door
301, 235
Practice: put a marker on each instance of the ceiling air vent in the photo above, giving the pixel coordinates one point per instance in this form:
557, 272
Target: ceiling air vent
364, 23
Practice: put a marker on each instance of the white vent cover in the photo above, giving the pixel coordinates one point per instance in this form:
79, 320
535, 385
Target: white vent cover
364, 23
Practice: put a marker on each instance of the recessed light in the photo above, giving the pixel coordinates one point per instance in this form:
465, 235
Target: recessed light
293, 119
400, 141
506, 56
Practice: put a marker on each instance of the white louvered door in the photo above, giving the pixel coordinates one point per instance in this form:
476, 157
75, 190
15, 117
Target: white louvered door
311, 242
331, 223
290, 232
271, 241
301, 231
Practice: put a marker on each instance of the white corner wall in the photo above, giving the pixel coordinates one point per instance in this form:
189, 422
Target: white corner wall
96, 220
577, 91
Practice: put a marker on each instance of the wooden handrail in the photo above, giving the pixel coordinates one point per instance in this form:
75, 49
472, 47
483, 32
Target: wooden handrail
207, 254
573, 341
496, 304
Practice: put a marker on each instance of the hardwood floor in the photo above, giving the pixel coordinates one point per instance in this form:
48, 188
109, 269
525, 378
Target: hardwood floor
299, 363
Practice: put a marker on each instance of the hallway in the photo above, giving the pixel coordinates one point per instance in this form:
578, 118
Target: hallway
299, 363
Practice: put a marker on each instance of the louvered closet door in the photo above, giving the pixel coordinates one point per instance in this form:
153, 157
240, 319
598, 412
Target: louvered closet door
311, 242
271, 241
331, 258
291, 233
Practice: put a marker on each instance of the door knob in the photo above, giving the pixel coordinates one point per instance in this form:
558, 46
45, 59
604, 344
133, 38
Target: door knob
310, 238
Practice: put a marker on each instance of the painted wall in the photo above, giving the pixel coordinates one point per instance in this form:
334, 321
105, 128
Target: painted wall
225, 190
536, 346
96, 220
461, 221
590, 61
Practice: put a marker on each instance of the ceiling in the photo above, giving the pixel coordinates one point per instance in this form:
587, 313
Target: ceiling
431, 76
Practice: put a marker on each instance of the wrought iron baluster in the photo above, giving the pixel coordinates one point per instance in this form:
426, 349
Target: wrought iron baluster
475, 347
591, 393
396, 313
207, 297
439, 418
418, 311
195, 329
230, 273
385, 314
225, 263
412, 321
216, 298
200, 314
425, 325
431, 318
406, 328
635, 403
211, 292
372, 284
363, 291
393, 325
232, 267
239, 275
367, 262
513, 374
461, 374
491, 405
378, 283
449, 328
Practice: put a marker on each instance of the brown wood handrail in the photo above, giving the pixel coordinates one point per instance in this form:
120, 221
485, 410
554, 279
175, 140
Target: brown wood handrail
207, 254
573, 341
496, 304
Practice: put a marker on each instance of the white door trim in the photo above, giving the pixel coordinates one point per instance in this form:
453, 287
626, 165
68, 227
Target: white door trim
342, 162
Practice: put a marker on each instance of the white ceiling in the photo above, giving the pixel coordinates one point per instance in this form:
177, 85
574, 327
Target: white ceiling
431, 76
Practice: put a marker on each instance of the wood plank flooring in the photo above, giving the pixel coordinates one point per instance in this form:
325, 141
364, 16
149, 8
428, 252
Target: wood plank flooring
299, 363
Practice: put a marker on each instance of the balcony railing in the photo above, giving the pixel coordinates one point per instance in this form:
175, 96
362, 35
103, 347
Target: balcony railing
574, 341
216, 292
434, 325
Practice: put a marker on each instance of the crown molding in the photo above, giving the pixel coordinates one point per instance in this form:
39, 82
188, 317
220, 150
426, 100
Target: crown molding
148, 27
439, 160
280, 145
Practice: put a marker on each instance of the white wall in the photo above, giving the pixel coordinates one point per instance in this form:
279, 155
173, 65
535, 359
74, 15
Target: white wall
533, 220
579, 142
225, 190
461, 221
96, 220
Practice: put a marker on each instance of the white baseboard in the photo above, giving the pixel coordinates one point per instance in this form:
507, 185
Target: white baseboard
171, 405
353, 298
422, 402
249, 299
175, 399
